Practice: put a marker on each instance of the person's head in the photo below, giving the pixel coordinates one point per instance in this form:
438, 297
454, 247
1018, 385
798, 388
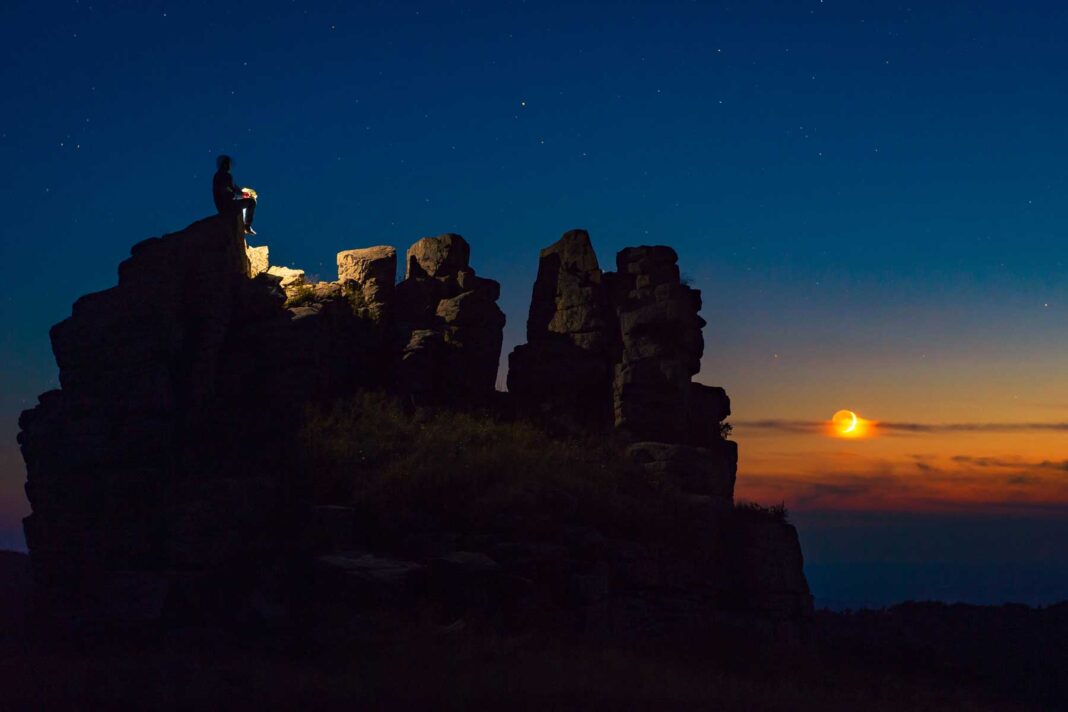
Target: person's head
224, 163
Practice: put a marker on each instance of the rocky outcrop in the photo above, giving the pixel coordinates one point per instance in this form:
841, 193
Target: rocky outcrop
170, 450
564, 371
111, 455
449, 324
614, 349
169, 472
617, 351
660, 332
258, 259
369, 274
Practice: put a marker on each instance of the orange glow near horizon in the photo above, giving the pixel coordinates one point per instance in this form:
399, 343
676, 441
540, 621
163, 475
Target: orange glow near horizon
991, 472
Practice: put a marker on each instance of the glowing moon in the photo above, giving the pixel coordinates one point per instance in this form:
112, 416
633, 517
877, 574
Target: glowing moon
845, 421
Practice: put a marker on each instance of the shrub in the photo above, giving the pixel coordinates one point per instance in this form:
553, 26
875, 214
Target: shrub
301, 296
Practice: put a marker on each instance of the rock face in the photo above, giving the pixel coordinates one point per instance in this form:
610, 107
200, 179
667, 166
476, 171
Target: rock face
614, 349
662, 344
167, 474
113, 467
617, 351
167, 453
258, 259
565, 369
373, 273
442, 256
288, 277
449, 324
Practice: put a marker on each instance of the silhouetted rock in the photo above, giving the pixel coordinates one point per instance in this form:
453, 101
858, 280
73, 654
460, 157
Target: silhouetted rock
706, 409
766, 569
615, 348
703, 471
662, 344
563, 372
170, 476
618, 350
139, 369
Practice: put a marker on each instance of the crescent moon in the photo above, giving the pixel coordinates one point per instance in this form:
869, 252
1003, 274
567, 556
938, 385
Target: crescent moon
853, 425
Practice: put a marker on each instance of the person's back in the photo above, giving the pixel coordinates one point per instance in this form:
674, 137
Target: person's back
223, 190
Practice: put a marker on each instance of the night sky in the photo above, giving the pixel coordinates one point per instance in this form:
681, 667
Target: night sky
871, 197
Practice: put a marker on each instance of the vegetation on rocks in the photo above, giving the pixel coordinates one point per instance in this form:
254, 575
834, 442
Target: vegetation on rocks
301, 296
474, 469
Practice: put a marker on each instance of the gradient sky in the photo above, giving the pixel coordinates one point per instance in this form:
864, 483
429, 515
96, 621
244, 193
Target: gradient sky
870, 196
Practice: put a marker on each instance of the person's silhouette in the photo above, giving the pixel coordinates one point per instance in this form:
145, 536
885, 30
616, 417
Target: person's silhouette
228, 196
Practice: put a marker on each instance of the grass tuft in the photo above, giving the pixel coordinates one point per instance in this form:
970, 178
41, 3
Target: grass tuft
301, 296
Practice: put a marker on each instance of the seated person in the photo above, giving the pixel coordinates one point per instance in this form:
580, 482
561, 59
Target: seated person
228, 196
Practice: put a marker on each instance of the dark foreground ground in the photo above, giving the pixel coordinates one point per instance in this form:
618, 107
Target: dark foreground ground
913, 656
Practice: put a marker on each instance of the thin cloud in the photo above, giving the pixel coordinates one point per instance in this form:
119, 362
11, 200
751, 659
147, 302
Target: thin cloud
786, 426
912, 483
973, 427
1061, 466
816, 426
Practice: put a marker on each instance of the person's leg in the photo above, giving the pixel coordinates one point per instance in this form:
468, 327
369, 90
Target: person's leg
249, 205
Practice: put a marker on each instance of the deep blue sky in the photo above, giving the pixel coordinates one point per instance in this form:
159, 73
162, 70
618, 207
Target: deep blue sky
857, 188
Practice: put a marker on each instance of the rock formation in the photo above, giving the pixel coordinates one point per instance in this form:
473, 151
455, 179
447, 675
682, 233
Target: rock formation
168, 470
662, 344
450, 324
564, 371
370, 273
615, 348
166, 450
617, 351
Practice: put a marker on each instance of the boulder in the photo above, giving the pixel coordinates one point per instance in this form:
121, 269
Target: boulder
439, 256
449, 327
368, 276
377, 264
257, 259
290, 277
